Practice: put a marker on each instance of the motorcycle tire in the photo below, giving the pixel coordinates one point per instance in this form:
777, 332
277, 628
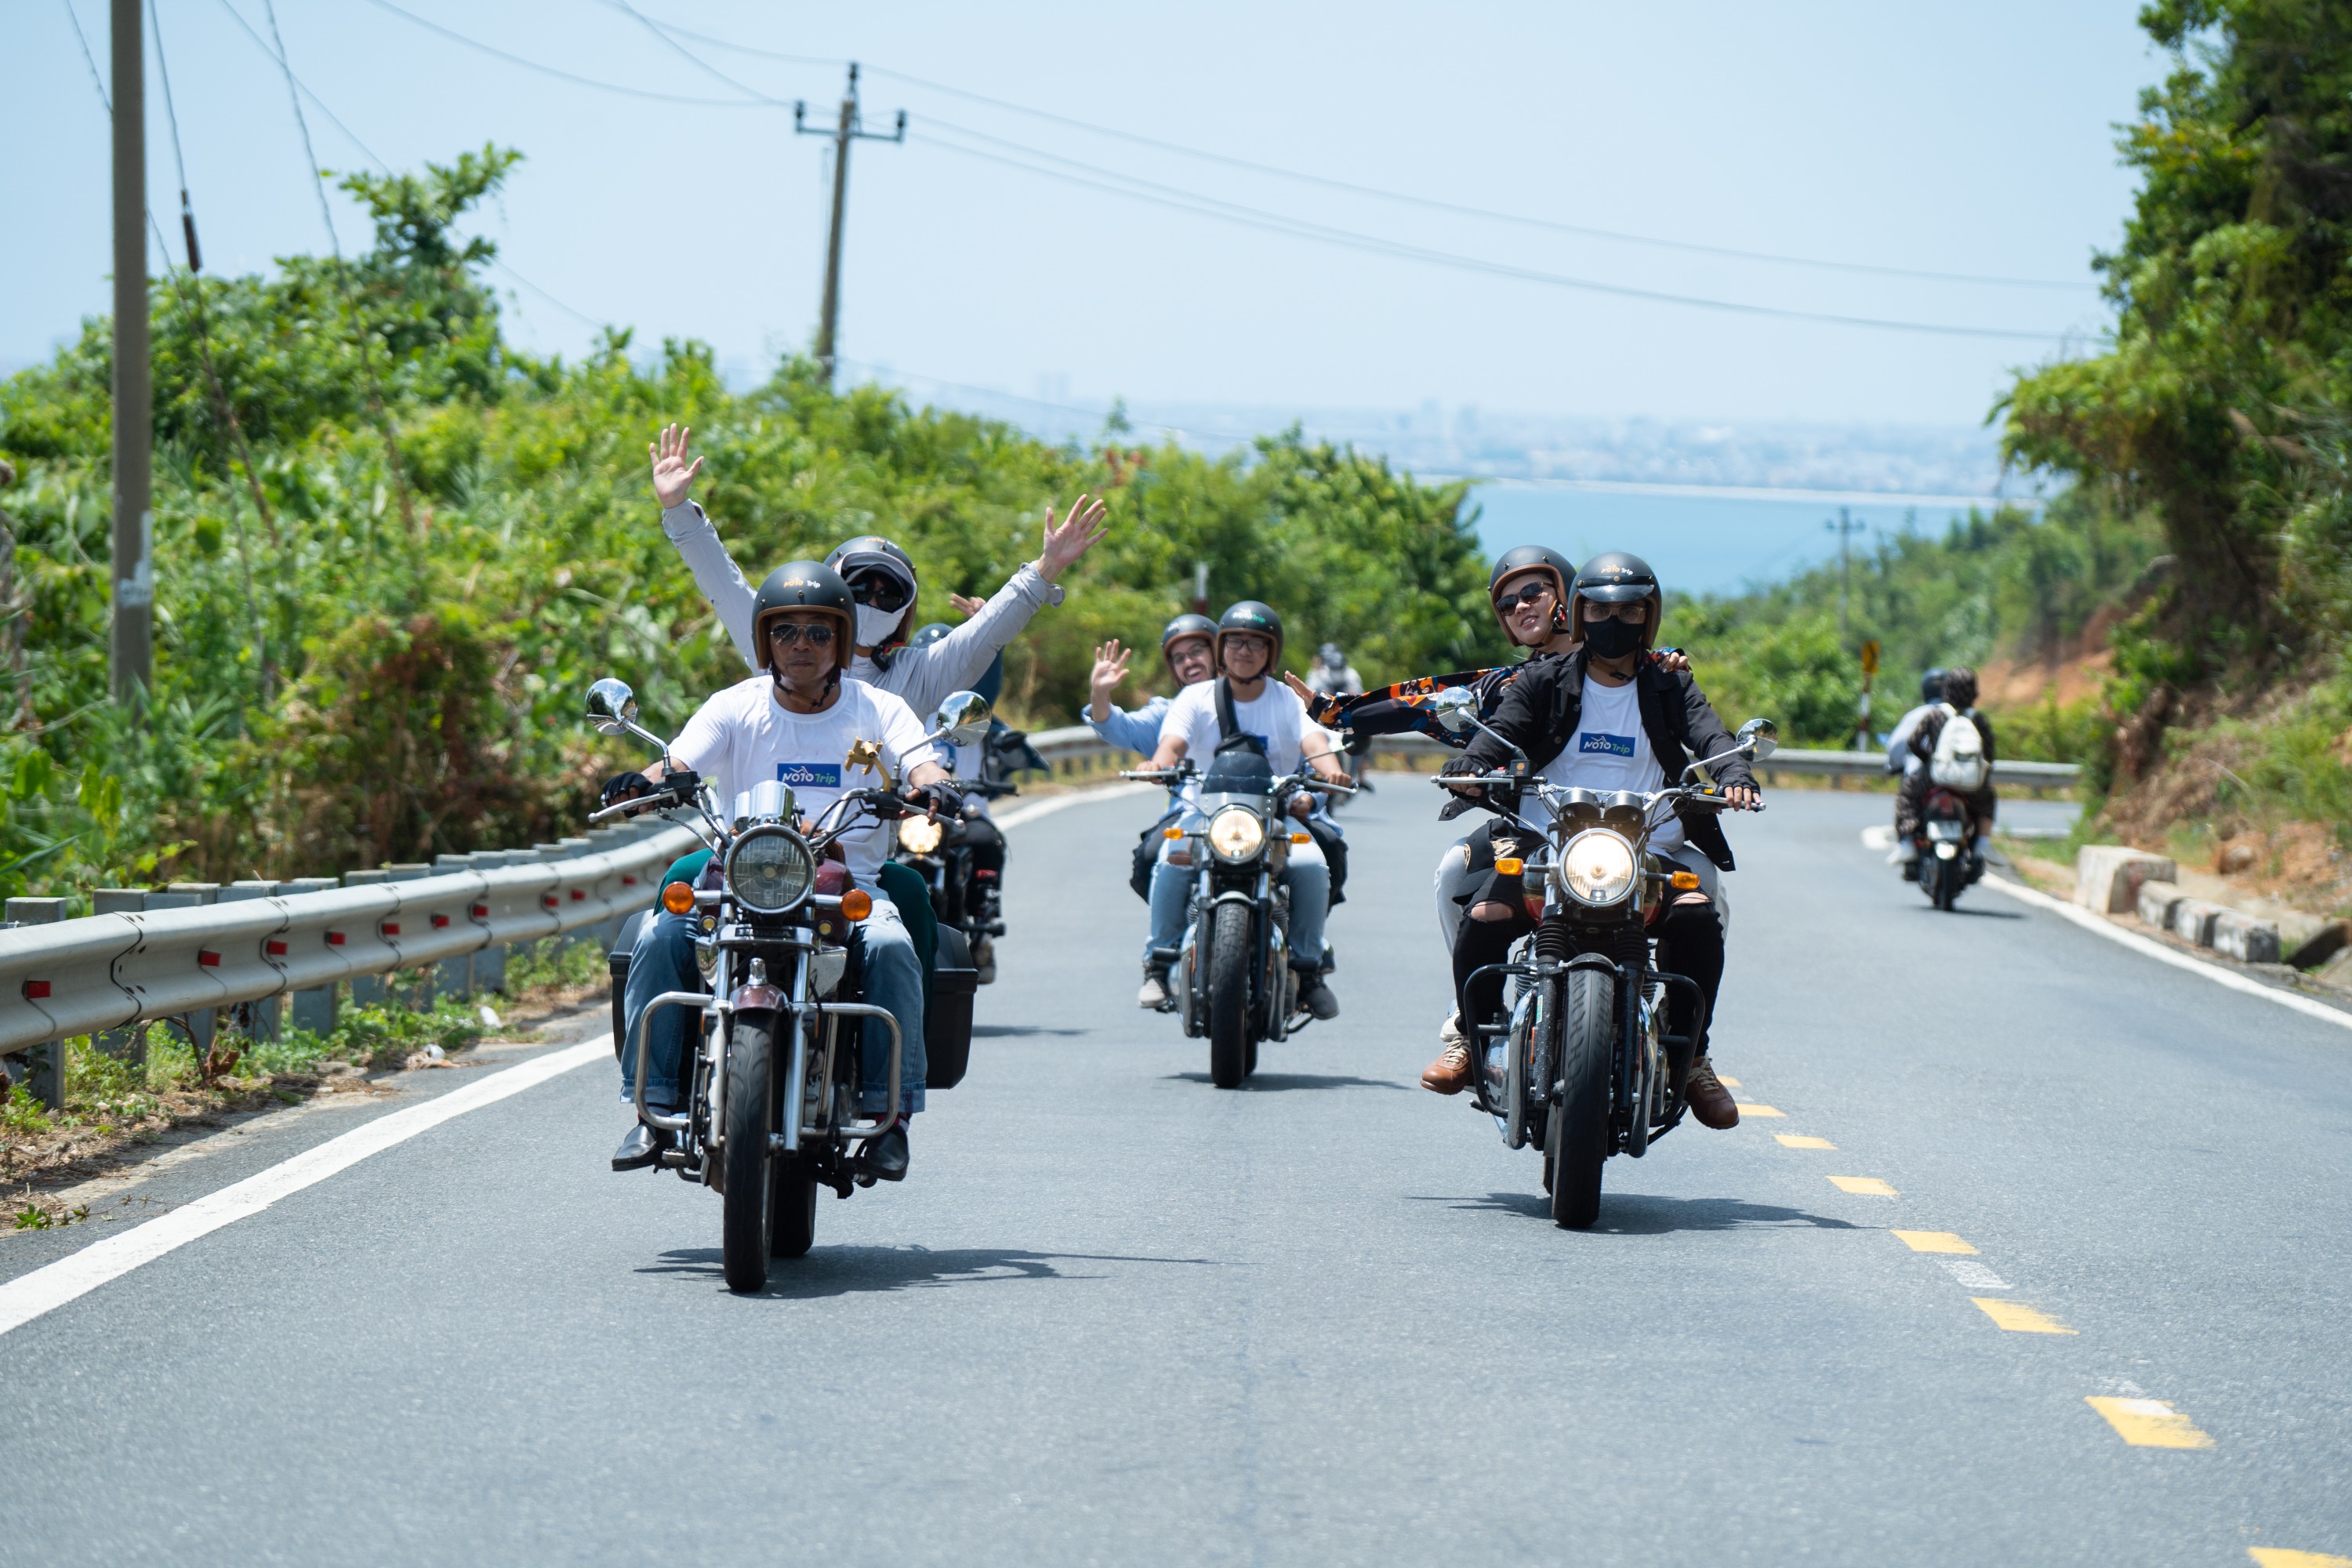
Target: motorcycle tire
792, 1210
750, 1116
1230, 951
1579, 1138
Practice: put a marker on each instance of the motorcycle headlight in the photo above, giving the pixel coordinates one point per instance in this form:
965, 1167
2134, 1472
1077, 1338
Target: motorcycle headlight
769, 870
1597, 867
1236, 834
919, 835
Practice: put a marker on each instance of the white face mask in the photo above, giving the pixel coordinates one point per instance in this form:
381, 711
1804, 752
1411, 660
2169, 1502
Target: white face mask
875, 626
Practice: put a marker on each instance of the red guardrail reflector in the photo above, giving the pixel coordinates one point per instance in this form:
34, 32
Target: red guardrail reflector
389, 928
207, 958
334, 939
579, 895
480, 911
546, 899
440, 920
36, 990
273, 948
628, 882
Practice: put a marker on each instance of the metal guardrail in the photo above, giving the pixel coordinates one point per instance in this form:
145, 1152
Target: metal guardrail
109, 972
1079, 745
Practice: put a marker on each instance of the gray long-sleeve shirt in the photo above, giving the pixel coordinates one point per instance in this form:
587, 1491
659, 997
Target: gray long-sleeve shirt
923, 676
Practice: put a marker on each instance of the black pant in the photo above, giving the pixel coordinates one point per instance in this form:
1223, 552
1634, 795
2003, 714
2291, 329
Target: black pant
1911, 805
1690, 942
986, 845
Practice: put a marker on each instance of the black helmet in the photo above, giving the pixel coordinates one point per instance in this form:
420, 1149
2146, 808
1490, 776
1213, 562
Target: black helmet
805, 585
1615, 577
1332, 656
1186, 627
1250, 616
1960, 686
1931, 685
926, 635
871, 554
1533, 558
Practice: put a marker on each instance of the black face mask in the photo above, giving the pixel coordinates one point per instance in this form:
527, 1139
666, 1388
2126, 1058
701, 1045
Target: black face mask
1612, 638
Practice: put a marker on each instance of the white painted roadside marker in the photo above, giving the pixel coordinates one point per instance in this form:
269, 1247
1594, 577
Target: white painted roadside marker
2163, 954
50, 1287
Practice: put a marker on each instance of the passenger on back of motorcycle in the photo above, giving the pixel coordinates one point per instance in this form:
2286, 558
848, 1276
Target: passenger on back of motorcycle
1248, 644
1902, 762
796, 720
1959, 698
1601, 717
1187, 648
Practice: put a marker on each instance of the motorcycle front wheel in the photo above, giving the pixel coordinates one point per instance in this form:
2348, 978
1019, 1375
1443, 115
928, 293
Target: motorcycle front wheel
1230, 950
792, 1210
750, 1115
1579, 1138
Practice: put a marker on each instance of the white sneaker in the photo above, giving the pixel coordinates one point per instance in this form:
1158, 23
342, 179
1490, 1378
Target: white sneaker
1449, 1033
1154, 998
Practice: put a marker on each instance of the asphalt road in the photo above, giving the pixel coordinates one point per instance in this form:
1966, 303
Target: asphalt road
1116, 1316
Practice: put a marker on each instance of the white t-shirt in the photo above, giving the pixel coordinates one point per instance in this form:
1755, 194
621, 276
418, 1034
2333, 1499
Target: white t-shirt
1610, 751
743, 735
1275, 713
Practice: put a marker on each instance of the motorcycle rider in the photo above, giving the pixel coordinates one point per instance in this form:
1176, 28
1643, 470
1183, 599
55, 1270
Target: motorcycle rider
1528, 592
1248, 645
1332, 676
882, 579
1959, 699
982, 762
1900, 761
797, 715
1187, 646
1601, 717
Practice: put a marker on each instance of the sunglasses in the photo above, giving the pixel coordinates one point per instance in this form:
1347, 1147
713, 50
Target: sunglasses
1635, 610
1249, 644
1528, 594
784, 633
880, 590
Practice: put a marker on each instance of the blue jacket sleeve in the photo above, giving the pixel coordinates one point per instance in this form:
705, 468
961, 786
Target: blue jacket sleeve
1138, 731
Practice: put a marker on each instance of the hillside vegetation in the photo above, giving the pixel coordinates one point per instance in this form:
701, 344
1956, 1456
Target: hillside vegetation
392, 550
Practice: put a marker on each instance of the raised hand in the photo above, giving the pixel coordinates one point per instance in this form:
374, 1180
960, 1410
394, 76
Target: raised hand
966, 606
673, 478
1110, 667
1081, 529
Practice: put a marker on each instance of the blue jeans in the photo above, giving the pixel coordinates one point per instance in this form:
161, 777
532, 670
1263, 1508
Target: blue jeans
894, 980
1307, 876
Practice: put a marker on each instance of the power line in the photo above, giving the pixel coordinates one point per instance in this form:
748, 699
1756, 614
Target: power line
1255, 218
572, 77
1431, 203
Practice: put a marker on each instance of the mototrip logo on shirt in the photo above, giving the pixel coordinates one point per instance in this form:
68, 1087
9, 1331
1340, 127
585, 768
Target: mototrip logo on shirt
1594, 744
810, 775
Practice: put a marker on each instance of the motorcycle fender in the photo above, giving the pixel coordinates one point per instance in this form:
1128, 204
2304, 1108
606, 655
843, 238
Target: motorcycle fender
760, 998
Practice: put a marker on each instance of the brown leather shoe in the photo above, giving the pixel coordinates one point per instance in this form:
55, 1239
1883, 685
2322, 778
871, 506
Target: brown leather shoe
1450, 1073
1710, 1100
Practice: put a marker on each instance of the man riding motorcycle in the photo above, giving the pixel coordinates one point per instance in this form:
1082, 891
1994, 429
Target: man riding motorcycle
1900, 761
1959, 696
1188, 647
1601, 716
1528, 592
1248, 645
795, 721
883, 581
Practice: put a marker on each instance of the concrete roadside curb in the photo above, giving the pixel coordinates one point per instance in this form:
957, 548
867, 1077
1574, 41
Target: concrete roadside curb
2163, 954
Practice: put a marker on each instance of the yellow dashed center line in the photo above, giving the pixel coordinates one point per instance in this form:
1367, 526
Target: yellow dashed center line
1761, 1111
2148, 1423
1931, 1241
1865, 1186
1800, 1140
2019, 1319
2278, 1557
1727, 1082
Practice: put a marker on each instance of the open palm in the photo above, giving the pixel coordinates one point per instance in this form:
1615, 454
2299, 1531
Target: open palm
672, 476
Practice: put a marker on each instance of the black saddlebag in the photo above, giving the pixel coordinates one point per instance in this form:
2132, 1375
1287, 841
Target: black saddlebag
947, 1013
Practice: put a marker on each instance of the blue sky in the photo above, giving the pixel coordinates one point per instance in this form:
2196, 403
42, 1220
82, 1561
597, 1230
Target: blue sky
1972, 141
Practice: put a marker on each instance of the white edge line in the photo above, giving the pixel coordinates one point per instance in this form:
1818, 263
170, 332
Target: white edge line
1047, 807
53, 1285
2163, 954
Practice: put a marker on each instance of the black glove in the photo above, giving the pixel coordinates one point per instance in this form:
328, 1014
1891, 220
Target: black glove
624, 787
939, 797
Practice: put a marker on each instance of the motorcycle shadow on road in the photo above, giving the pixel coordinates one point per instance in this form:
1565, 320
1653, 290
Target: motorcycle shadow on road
1276, 1082
1001, 1031
1642, 1214
829, 1271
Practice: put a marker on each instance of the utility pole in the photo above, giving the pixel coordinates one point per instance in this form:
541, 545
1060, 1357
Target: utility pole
132, 642
1845, 528
849, 130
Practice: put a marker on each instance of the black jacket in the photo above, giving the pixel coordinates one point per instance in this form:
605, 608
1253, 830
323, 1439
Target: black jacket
1540, 713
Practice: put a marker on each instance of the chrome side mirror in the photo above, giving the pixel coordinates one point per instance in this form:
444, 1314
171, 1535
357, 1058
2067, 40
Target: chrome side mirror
1456, 711
1758, 738
611, 707
962, 719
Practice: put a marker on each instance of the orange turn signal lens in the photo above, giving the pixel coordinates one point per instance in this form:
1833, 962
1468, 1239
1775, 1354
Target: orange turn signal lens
1302, 838
1173, 833
856, 904
1509, 865
677, 897
1686, 881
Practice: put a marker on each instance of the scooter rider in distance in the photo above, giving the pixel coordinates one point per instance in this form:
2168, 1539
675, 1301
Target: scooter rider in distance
1601, 717
1272, 719
796, 720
